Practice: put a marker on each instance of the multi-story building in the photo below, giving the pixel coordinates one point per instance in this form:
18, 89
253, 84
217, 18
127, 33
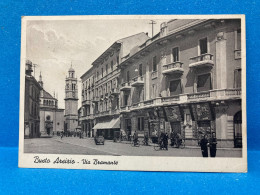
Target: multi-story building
31, 104
187, 80
100, 88
51, 117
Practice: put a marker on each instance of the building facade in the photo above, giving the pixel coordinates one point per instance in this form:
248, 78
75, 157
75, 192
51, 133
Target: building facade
100, 89
51, 117
71, 101
31, 104
186, 80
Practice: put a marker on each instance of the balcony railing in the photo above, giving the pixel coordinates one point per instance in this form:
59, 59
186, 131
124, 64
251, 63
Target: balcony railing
125, 86
175, 98
148, 102
172, 68
138, 81
204, 60
86, 102
200, 95
114, 91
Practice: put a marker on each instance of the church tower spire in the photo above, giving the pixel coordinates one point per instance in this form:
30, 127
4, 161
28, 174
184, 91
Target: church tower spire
40, 80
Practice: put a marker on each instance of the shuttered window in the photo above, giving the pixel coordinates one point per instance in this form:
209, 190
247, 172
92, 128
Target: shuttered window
175, 87
203, 46
204, 83
237, 78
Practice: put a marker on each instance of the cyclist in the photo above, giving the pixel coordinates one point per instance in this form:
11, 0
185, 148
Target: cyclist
146, 139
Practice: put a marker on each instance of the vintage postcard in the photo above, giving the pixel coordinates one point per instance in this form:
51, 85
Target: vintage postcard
144, 92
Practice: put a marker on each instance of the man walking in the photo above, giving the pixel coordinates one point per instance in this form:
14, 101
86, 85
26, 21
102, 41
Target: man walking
213, 145
204, 145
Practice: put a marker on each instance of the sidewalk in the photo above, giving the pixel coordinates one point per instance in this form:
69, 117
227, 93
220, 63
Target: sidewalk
79, 143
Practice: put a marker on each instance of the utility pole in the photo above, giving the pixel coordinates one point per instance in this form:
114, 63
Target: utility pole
152, 23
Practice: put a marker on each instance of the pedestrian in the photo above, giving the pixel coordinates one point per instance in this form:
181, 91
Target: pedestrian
135, 138
165, 141
61, 135
172, 138
213, 145
204, 145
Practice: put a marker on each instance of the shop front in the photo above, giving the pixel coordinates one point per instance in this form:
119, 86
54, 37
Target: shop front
108, 128
204, 120
174, 117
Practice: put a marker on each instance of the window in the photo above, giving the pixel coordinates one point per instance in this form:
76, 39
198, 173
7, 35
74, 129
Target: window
238, 40
203, 46
140, 124
237, 78
140, 70
204, 82
111, 66
106, 68
102, 73
175, 87
125, 100
175, 54
154, 63
154, 90
127, 76
97, 75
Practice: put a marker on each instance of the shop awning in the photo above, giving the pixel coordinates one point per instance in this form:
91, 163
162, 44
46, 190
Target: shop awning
113, 124
103, 125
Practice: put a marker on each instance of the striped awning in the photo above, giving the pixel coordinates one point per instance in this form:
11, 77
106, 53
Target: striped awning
113, 124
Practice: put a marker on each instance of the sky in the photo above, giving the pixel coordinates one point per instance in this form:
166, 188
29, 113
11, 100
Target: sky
53, 45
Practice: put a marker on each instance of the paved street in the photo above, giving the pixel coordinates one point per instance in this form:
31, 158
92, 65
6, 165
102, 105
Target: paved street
86, 146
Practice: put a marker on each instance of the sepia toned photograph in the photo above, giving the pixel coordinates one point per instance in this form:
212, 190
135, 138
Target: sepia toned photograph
132, 92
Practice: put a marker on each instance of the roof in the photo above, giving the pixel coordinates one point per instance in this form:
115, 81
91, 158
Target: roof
119, 42
47, 95
71, 69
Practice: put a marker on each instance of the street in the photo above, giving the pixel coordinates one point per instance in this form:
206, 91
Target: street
86, 146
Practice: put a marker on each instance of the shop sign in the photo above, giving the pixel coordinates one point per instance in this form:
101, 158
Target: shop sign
201, 112
173, 113
160, 112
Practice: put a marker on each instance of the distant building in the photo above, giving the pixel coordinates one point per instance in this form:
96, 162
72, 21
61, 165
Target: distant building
71, 101
31, 104
100, 88
51, 117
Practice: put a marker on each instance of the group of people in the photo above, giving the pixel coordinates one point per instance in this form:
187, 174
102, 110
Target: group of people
210, 143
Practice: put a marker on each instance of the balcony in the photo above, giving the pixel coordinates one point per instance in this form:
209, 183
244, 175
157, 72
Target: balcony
125, 109
138, 81
204, 60
114, 91
125, 86
173, 68
86, 103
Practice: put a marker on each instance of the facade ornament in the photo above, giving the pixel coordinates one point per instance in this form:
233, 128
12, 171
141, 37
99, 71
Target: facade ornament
220, 36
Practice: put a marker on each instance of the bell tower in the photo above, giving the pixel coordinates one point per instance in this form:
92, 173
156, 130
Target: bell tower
71, 101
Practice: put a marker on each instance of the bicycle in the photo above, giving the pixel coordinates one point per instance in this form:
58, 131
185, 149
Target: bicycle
135, 143
145, 142
159, 146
